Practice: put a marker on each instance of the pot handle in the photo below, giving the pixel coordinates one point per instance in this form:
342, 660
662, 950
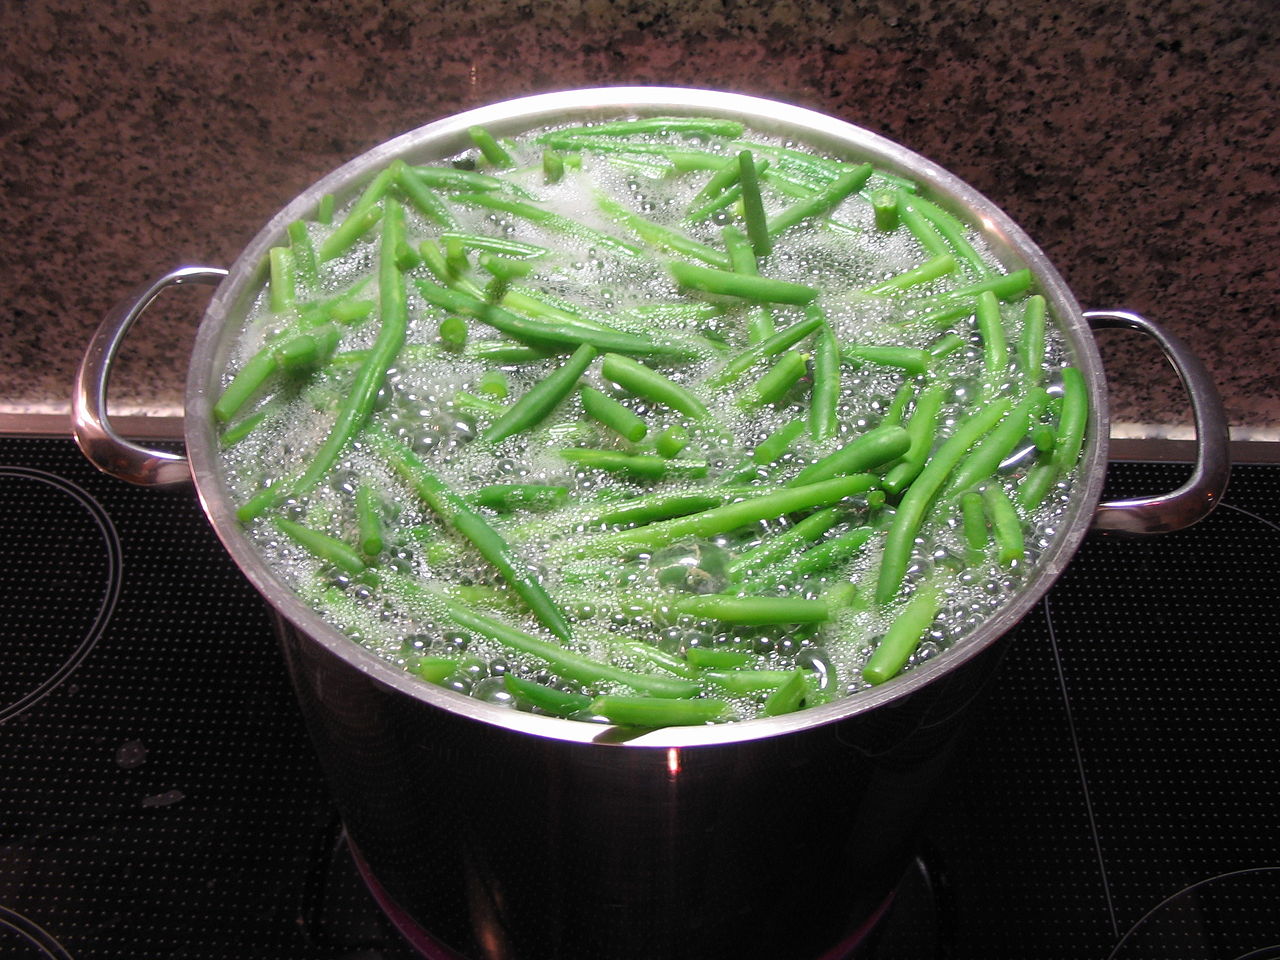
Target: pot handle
1194, 500
90, 425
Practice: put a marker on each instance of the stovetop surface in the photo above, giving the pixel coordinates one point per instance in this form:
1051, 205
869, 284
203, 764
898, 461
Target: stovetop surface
1116, 796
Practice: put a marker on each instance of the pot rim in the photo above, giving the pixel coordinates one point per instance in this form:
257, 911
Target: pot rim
447, 137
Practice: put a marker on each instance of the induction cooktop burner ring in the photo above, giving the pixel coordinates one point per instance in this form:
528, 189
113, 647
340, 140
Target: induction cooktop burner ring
111, 592
34, 934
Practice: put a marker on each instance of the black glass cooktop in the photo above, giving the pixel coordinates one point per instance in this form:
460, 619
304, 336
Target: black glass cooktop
1117, 797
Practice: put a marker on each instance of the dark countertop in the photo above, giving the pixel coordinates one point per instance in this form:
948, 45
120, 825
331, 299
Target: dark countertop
1135, 142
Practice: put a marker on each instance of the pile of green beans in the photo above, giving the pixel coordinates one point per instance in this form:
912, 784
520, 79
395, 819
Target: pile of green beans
633, 459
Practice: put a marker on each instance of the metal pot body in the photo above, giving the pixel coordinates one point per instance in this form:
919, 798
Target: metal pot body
509, 835
502, 845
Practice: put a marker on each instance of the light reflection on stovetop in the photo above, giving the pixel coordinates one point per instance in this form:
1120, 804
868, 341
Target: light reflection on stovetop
1115, 798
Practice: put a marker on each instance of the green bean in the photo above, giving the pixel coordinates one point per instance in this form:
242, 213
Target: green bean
542, 398
742, 258
1072, 420
769, 551
898, 405
324, 210
728, 198
913, 361
421, 196
874, 448
304, 352
324, 547
671, 441
752, 287
552, 166
954, 303
499, 352
787, 698
644, 382
974, 522
754, 611
644, 465
723, 519
560, 703
504, 269
1035, 485
743, 683
823, 202
930, 270
259, 503
542, 334
1031, 354
920, 495
995, 348
494, 383
810, 166
953, 232
489, 148
431, 668
304, 254
684, 126
828, 553
841, 595
658, 507
928, 238
718, 658
542, 308
921, 429
512, 496
612, 414
551, 220
499, 246
725, 176
667, 661
357, 405
282, 296
777, 381
455, 512
1044, 437
664, 238
369, 520
453, 178
777, 443
782, 340
945, 346
753, 206
884, 203
237, 432
653, 712
824, 401
981, 462
904, 635
1005, 524
453, 332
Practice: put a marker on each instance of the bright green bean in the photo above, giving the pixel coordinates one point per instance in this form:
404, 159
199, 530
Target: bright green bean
981, 462
913, 361
1072, 421
324, 547
424, 200
928, 237
921, 428
788, 698
823, 202
753, 206
872, 449
748, 286
995, 347
776, 547
684, 126
898, 405
777, 382
560, 703
369, 520
664, 238
1031, 354
506, 497
777, 443
282, 297
953, 232
974, 523
754, 611
718, 658
552, 166
780, 341
884, 204
939, 266
743, 683
654, 712
612, 414
304, 253
671, 441
551, 220
645, 382
489, 148
1006, 526
647, 466
542, 398
904, 635
824, 421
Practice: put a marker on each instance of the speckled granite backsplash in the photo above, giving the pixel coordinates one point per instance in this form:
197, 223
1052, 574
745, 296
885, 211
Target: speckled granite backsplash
1135, 141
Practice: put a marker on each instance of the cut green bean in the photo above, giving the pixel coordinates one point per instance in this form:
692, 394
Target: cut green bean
910, 359
777, 382
974, 523
646, 466
453, 332
552, 166
1031, 347
995, 347
304, 254
489, 148
921, 428
671, 441
424, 200
823, 202
647, 383
369, 520
718, 658
884, 205
788, 698
900, 541
742, 258
494, 383
953, 232
824, 400
924, 232
282, 296
744, 683
431, 668
873, 449
1072, 420
506, 497
327, 549
655, 126
613, 415
775, 548
542, 398
927, 272
829, 553
754, 611
981, 462
664, 238
1036, 484
904, 635
560, 703
1006, 526
752, 287
898, 405
551, 220
945, 346
237, 432
324, 210
499, 246
777, 443
753, 206
455, 512
655, 712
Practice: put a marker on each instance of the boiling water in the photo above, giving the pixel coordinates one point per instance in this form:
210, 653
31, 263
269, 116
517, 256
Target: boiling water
619, 599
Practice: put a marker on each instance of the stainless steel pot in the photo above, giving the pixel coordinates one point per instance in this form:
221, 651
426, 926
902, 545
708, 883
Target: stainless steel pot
508, 835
